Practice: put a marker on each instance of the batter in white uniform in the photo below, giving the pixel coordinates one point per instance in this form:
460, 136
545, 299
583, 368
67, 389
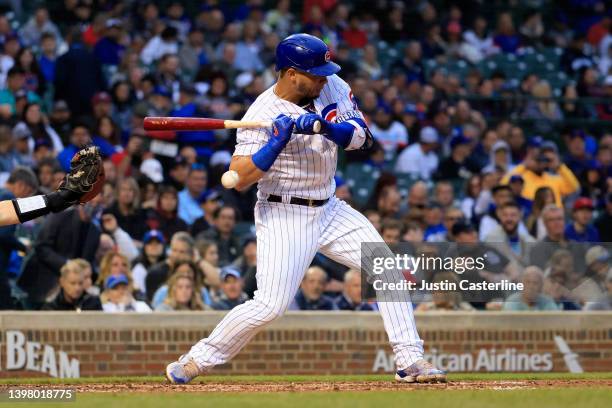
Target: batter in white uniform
297, 214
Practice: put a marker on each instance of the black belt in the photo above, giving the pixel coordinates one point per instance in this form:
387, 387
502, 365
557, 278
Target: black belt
298, 201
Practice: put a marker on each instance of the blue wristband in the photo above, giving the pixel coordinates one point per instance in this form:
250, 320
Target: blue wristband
265, 157
339, 133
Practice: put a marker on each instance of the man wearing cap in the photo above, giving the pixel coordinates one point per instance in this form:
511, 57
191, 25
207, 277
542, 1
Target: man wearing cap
542, 168
117, 296
581, 229
420, 159
517, 184
102, 105
391, 134
594, 284
210, 201
108, 49
458, 164
231, 289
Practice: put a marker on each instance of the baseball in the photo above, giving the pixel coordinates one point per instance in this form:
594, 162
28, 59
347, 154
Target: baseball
229, 179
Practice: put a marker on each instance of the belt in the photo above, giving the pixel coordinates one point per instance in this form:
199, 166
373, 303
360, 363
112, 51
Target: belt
298, 201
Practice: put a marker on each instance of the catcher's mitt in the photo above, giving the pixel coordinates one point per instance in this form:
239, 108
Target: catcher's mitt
86, 176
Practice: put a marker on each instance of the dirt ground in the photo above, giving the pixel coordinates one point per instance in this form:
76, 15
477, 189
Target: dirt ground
148, 387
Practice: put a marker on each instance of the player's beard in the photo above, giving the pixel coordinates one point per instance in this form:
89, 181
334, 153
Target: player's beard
308, 92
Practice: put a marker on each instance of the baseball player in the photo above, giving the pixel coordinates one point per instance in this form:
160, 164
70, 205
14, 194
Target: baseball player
297, 214
81, 184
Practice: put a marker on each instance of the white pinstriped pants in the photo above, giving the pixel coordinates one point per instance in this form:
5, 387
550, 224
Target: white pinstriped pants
288, 237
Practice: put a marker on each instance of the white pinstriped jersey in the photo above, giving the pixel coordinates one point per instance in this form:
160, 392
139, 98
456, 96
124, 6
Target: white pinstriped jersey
306, 166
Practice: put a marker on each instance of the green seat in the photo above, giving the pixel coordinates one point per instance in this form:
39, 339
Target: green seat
361, 178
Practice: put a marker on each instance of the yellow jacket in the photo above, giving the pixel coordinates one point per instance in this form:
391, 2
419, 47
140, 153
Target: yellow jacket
563, 183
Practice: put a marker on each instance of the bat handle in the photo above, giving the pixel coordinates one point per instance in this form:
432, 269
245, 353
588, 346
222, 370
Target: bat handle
317, 126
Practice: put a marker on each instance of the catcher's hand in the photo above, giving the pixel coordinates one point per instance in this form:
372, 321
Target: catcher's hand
82, 183
86, 176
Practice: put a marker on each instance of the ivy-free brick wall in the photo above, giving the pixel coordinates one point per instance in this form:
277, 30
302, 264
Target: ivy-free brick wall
306, 342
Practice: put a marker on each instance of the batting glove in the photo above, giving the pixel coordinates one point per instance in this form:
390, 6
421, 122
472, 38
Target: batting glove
305, 123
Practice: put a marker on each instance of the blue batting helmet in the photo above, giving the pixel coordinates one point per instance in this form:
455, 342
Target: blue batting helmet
306, 53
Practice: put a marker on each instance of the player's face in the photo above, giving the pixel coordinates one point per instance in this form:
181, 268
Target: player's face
309, 86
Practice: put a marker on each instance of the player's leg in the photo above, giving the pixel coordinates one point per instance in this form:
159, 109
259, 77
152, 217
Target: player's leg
345, 230
287, 238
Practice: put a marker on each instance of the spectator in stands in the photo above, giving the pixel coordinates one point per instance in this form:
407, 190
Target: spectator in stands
388, 203
517, 242
164, 43
554, 222
188, 206
231, 290
542, 110
15, 82
535, 222
458, 164
557, 282
109, 50
36, 26
581, 229
187, 268
117, 297
223, 234
506, 37
79, 136
20, 184
310, 295
478, 43
604, 302
516, 184
181, 249
444, 194
391, 231
592, 286
208, 252
247, 264
152, 253
391, 134
350, 298
445, 299
78, 75
531, 297
604, 222
124, 243
72, 294
165, 216
130, 216
210, 202
182, 295
66, 235
420, 159
542, 168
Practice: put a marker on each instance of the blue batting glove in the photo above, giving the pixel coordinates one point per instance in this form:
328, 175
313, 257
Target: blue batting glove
305, 123
282, 127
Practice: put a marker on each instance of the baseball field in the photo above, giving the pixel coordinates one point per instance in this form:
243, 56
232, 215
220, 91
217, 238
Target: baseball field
463, 390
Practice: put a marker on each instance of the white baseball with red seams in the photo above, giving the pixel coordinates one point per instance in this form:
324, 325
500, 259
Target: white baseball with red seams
289, 235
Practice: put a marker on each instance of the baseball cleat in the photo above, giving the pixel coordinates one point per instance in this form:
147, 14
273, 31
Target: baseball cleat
421, 372
182, 373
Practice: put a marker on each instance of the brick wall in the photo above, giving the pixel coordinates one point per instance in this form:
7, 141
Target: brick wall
306, 342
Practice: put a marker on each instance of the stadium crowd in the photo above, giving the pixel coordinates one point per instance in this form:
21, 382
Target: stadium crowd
492, 126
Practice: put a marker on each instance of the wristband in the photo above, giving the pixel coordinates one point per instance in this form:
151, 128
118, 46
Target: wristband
30, 208
33, 207
265, 157
339, 133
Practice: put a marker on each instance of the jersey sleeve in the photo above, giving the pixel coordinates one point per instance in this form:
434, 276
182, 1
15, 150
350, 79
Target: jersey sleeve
348, 111
249, 141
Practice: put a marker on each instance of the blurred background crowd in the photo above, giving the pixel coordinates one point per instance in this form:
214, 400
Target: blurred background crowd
492, 121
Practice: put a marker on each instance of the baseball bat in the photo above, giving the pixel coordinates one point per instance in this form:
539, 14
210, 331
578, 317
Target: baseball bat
169, 123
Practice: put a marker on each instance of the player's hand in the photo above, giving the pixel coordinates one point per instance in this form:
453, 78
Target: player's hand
282, 128
305, 123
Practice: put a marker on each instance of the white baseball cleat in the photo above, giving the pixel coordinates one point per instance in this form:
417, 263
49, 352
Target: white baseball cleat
421, 372
182, 373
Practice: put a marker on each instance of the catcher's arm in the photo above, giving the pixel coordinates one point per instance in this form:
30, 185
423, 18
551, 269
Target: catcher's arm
81, 184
